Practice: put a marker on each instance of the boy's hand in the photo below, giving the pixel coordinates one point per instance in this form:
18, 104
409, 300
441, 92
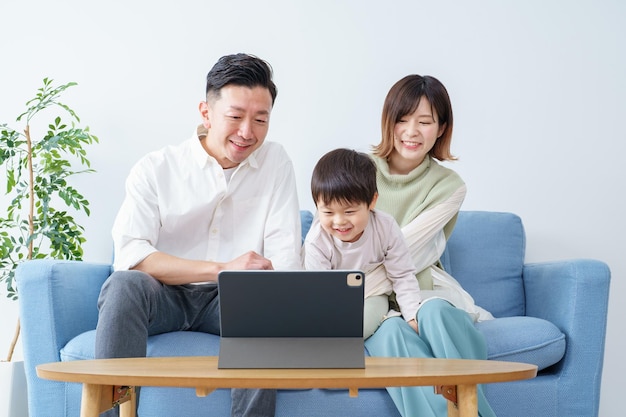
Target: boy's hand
413, 324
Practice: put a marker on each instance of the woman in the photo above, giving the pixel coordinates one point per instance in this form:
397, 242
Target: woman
424, 198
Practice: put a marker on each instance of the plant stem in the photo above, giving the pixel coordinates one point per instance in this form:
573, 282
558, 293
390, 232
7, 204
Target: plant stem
31, 191
14, 341
31, 226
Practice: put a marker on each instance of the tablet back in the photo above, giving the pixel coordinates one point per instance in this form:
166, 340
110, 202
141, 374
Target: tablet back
291, 319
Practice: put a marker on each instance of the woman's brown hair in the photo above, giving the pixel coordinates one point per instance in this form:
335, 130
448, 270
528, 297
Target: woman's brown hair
402, 99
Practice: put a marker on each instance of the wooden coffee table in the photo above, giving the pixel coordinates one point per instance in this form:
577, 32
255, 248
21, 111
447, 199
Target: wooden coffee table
455, 379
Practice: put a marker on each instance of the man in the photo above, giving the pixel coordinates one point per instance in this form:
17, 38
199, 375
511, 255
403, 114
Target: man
222, 200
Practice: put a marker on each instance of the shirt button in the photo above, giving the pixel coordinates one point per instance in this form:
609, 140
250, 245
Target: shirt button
214, 231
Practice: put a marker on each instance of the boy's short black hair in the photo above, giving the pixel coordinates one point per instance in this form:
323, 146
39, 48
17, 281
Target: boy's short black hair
344, 175
242, 70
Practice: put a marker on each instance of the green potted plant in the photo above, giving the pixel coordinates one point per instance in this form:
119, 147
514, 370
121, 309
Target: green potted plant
38, 223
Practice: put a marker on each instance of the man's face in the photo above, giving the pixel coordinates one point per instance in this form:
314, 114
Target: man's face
237, 123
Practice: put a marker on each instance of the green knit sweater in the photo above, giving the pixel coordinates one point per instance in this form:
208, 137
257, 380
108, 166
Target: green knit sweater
406, 196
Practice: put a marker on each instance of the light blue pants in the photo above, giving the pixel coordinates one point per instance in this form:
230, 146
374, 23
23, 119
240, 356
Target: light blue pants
133, 305
374, 310
444, 332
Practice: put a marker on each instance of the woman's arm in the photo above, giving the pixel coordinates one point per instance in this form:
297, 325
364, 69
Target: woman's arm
425, 234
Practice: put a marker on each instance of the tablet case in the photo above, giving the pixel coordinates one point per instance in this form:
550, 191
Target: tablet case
291, 319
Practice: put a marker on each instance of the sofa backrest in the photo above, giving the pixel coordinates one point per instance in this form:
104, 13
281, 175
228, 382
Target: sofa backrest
485, 253
306, 218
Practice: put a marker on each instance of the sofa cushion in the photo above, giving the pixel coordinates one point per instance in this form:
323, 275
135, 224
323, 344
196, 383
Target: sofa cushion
516, 339
523, 339
166, 344
79, 348
485, 253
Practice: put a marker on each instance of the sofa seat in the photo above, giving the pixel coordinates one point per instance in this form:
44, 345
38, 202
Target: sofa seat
515, 339
551, 314
523, 339
519, 339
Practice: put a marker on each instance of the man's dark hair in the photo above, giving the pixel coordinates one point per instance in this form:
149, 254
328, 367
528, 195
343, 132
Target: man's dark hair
241, 70
344, 175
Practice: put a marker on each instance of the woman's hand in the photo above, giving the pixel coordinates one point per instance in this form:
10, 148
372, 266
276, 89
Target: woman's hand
413, 324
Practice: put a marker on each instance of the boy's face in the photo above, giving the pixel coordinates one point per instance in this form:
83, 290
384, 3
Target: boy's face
345, 221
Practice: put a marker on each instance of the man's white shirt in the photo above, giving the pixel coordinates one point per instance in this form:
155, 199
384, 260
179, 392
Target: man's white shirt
179, 201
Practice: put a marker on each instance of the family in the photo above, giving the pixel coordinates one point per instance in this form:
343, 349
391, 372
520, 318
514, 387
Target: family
225, 199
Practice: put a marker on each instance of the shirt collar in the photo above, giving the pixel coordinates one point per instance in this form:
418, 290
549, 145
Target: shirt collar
202, 158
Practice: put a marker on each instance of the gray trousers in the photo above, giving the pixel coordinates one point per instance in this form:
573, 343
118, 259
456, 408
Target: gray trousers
133, 305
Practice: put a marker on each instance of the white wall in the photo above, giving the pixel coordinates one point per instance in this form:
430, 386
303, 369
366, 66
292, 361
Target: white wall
538, 91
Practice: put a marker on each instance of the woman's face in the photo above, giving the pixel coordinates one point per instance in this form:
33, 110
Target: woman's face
414, 135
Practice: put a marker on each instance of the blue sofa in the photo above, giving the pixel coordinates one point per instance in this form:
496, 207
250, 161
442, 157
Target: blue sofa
549, 314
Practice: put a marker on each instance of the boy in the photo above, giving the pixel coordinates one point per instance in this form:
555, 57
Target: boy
347, 233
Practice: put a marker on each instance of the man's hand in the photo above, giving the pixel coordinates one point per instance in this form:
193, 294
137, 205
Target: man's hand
249, 260
172, 270
413, 324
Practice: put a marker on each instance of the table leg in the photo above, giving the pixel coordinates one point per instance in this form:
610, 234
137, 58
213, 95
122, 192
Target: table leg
129, 408
93, 398
97, 398
467, 402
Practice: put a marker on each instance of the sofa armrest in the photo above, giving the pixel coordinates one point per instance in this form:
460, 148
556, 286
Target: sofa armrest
58, 301
573, 295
